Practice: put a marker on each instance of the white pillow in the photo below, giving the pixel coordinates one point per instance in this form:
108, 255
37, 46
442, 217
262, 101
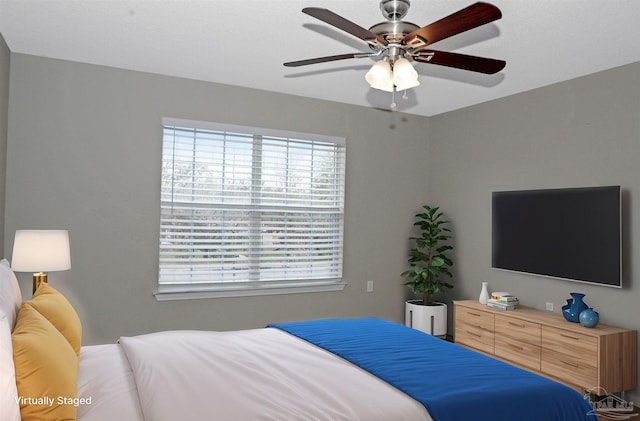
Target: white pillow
9, 407
10, 296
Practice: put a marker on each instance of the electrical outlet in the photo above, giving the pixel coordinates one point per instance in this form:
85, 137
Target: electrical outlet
369, 286
549, 306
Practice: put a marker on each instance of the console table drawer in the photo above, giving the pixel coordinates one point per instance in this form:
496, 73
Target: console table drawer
584, 347
520, 353
568, 368
478, 319
518, 329
475, 337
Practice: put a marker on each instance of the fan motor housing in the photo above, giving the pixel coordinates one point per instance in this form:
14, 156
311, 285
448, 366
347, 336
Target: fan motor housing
393, 31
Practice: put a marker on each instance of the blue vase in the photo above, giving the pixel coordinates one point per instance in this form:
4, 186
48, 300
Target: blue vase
571, 311
589, 318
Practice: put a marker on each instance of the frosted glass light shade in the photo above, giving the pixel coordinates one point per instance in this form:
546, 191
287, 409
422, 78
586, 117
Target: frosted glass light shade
379, 76
41, 251
404, 75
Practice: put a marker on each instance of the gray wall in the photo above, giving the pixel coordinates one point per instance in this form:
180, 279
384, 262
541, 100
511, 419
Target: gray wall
84, 151
583, 132
84, 155
5, 56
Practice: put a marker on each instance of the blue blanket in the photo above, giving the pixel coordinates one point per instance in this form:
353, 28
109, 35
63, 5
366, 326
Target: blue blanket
453, 383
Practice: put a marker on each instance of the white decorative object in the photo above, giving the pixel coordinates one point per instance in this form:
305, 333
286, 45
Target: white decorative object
484, 294
430, 319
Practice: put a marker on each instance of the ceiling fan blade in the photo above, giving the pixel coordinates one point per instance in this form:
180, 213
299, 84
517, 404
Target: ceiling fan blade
470, 17
344, 24
325, 59
460, 61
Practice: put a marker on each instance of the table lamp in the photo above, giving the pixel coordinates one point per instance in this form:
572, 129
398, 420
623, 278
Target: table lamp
39, 251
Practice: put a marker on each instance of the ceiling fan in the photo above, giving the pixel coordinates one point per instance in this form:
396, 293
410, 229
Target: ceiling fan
398, 43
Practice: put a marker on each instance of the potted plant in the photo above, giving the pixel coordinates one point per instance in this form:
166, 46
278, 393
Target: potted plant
429, 264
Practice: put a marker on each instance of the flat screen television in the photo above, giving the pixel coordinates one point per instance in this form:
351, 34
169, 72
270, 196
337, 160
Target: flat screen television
570, 233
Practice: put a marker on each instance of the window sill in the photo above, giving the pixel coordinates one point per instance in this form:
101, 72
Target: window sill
177, 293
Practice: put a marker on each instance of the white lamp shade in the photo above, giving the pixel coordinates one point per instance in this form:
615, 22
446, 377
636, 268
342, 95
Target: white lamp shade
41, 251
379, 76
404, 75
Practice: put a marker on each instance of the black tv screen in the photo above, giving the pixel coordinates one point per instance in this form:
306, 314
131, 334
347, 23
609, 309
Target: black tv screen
572, 233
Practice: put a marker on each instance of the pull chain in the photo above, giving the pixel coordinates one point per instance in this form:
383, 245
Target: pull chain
393, 104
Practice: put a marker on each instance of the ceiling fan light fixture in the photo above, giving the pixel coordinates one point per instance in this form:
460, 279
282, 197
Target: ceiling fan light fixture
380, 76
401, 42
404, 75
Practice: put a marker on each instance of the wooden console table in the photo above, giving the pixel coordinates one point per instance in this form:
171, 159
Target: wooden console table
601, 359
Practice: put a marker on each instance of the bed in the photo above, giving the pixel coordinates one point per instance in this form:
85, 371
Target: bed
332, 369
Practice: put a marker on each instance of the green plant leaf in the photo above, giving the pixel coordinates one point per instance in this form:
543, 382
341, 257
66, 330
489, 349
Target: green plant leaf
447, 261
437, 261
442, 249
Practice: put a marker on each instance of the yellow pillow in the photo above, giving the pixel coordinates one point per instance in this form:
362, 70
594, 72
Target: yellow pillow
55, 308
46, 369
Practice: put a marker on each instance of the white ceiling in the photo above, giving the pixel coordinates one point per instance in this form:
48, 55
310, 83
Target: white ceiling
245, 42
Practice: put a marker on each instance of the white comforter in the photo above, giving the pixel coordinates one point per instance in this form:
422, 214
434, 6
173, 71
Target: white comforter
261, 374
106, 381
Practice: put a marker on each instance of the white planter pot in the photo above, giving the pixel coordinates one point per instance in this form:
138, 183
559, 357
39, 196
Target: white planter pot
428, 319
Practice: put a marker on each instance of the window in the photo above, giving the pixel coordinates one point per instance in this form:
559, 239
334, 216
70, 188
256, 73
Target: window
248, 211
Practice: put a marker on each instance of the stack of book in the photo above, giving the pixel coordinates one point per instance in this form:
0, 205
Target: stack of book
503, 301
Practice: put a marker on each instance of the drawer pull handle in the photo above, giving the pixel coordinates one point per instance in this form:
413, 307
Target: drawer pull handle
474, 314
570, 337
519, 348
474, 334
482, 328
570, 364
517, 324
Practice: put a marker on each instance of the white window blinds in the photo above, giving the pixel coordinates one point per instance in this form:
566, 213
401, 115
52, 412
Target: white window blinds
245, 208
